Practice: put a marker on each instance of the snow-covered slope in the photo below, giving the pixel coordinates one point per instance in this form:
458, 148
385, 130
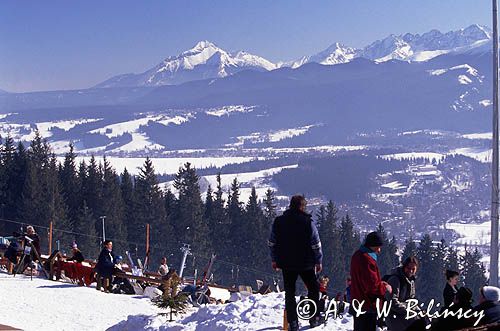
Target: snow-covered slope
257, 312
407, 47
204, 60
40, 305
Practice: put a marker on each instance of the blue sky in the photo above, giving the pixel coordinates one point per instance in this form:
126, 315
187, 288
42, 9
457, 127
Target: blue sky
48, 45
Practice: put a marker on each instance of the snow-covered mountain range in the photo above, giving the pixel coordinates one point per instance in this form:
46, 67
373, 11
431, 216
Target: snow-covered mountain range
314, 103
206, 60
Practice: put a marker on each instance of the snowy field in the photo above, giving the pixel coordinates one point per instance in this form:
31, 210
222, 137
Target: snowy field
45, 305
166, 165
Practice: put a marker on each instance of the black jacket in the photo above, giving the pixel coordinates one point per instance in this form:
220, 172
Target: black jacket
451, 323
77, 257
403, 289
449, 294
294, 241
491, 312
105, 264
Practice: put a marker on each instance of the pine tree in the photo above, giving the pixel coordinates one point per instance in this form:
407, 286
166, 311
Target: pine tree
86, 237
220, 226
429, 282
236, 224
127, 191
11, 179
329, 234
149, 209
190, 225
220, 233
172, 299
410, 249
113, 208
170, 243
350, 243
452, 261
473, 272
269, 207
388, 258
254, 243
93, 192
69, 184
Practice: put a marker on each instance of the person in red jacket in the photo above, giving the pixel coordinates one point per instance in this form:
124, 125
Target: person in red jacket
366, 283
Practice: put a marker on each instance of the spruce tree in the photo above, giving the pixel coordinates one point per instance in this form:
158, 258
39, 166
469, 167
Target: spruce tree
236, 223
149, 209
388, 258
329, 234
93, 192
254, 242
410, 249
68, 180
429, 280
473, 272
220, 225
87, 239
452, 261
127, 191
269, 207
113, 208
350, 243
190, 225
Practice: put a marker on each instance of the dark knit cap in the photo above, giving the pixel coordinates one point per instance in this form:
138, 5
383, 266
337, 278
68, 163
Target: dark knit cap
374, 239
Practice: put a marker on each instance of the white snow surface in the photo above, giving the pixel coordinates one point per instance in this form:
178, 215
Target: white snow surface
227, 110
257, 312
41, 304
166, 165
483, 135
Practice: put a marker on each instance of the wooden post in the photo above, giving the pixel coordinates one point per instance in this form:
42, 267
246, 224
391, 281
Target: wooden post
147, 239
50, 238
285, 321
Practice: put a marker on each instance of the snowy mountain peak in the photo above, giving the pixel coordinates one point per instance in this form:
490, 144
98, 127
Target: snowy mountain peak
207, 60
201, 45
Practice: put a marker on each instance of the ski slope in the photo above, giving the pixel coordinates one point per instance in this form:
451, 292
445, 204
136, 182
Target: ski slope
40, 304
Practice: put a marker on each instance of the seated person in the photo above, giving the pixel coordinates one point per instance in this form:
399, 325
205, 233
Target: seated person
77, 254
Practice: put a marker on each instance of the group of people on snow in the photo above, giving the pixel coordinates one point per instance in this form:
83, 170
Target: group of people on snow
295, 249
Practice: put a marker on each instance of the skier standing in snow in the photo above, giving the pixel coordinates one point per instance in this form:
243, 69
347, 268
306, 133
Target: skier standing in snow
402, 281
366, 284
105, 266
296, 250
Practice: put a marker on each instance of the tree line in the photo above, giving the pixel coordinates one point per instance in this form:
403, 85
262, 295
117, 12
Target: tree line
37, 189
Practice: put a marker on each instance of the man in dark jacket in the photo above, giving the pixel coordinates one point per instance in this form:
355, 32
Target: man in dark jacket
488, 302
366, 284
296, 249
105, 266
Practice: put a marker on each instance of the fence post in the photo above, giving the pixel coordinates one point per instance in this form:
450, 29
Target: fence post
50, 238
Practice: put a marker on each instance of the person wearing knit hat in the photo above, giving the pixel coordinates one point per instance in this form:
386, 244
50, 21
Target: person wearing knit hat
366, 284
77, 254
489, 303
374, 239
